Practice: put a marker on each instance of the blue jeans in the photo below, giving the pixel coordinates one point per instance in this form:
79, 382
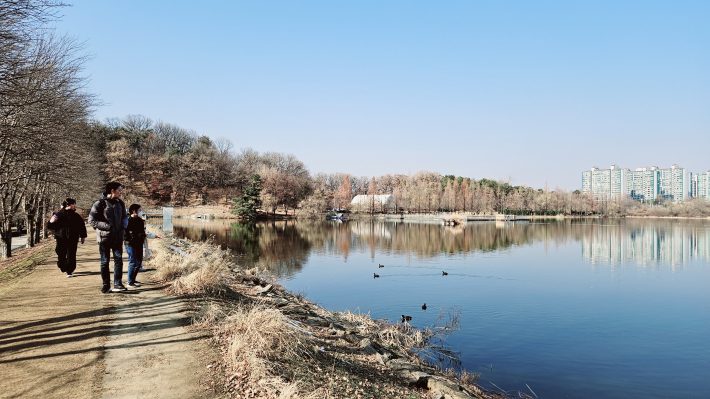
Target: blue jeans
106, 249
135, 261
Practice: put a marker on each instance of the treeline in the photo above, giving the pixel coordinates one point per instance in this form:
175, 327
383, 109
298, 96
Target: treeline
46, 150
162, 163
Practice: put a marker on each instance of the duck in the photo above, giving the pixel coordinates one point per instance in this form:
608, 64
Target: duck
381, 266
376, 275
406, 318
424, 306
444, 273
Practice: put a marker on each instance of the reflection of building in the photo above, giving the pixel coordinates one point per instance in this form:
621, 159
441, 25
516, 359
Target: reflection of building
646, 245
368, 229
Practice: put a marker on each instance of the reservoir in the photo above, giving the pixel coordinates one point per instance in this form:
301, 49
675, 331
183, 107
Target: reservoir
590, 308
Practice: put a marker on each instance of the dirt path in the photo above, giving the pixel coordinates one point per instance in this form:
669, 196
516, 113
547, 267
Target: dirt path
60, 337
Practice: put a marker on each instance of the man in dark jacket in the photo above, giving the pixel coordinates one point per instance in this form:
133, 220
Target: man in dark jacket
108, 216
68, 228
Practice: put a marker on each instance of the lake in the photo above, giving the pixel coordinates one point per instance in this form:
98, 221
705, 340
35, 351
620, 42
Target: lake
591, 308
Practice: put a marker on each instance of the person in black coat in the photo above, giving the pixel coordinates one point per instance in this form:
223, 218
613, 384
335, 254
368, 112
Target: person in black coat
68, 228
134, 236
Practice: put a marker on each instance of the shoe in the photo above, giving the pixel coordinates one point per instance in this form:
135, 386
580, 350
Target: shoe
142, 270
119, 287
70, 275
105, 289
133, 285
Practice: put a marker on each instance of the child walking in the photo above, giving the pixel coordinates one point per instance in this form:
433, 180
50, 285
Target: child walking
135, 234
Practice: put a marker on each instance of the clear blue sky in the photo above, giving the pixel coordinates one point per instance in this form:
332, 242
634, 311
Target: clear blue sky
539, 91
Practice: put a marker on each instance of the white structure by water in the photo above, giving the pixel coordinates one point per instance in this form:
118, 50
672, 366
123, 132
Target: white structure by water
364, 202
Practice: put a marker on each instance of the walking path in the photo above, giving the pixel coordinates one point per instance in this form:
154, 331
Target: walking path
18, 242
61, 338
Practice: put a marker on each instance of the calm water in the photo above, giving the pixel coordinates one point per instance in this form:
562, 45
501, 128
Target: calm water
574, 309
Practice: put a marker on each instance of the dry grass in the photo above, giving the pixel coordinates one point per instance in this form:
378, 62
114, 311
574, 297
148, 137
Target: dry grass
462, 375
258, 335
202, 272
266, 354
208, 316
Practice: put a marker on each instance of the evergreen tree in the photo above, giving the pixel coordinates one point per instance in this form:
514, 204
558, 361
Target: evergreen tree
250, 201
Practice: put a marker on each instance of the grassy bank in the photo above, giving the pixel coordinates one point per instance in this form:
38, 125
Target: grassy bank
277, 344
23, 261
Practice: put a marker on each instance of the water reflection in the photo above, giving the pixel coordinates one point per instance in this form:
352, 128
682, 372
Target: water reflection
279, 246
284, 246
647, 244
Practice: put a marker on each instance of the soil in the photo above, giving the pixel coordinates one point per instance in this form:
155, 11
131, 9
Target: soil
61, 337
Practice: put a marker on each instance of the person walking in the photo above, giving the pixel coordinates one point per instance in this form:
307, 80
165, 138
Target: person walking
108, 216
135, 234
68, 228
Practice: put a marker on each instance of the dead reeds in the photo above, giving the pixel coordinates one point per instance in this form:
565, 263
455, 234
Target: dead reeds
258, 335
201, 270
276, 344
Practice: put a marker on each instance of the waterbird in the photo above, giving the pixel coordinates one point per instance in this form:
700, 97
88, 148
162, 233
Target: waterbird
406, 318
424, 306
444, 273
376, 275
382, 266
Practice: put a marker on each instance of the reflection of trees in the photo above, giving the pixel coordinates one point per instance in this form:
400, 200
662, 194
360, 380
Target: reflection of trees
283, 250
276, 246
245, 237
283, 246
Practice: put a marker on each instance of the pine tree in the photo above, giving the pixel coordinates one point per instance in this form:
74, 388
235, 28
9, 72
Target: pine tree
250, 201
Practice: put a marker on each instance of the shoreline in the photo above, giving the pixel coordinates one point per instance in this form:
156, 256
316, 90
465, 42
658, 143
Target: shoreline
327, 353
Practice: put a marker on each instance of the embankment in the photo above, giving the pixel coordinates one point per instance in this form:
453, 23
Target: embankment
276, 344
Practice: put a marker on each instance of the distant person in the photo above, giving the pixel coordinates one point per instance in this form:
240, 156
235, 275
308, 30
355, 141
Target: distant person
135, 234
108, 216
68, 228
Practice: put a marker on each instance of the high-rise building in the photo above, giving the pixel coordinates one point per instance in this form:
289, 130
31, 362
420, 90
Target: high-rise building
674, 183
642, 183
605, 184
645, 184
701, 185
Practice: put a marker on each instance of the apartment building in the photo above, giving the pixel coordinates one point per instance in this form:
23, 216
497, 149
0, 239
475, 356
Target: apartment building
642, 183
605, 184
645, 184
674, 183
701, 185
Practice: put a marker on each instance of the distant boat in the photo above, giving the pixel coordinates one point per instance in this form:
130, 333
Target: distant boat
336, 214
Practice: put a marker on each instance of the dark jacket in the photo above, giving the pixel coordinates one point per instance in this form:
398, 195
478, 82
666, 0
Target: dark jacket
69, 225
108, 216
135, 232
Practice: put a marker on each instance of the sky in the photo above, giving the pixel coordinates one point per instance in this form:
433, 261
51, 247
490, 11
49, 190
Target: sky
531, 92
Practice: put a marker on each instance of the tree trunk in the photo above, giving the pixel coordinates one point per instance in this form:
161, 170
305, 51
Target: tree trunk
5, 239
43, 220
31, 225
38, 226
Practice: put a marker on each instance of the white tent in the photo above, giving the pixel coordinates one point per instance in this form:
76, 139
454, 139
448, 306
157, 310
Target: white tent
367, 201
